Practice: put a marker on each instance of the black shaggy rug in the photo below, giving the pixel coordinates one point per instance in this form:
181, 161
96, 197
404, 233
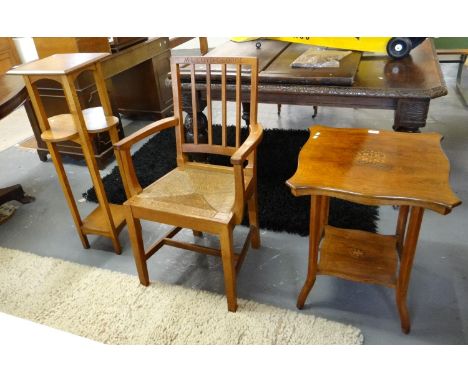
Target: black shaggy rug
279, 210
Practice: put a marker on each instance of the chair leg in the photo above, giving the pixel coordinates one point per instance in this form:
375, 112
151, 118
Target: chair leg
227, 254
253, 219
134, 231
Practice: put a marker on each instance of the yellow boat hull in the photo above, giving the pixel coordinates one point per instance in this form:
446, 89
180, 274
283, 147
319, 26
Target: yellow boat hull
363, 44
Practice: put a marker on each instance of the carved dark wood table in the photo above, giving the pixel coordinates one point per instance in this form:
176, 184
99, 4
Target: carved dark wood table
375, 168
405, 86
12, 95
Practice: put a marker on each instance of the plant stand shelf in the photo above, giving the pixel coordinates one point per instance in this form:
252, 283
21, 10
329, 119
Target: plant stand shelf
80, 126
95, 223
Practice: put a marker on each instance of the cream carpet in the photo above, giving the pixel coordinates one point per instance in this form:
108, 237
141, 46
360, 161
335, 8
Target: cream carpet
114, 308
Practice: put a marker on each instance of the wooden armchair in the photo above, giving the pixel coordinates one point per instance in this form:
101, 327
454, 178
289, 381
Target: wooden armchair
199, 196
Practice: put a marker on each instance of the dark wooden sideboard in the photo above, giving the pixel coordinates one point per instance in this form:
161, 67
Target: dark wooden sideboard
140, 92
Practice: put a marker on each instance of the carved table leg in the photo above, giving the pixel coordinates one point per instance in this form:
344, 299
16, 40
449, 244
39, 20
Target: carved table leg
401, 228
246, 112
315, 112
410, 115
406, 264
202, 121
317, 219
189, 125
202, 125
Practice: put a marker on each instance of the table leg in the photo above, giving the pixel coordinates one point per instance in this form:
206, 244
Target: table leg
202, 121
410, 115
246, 112
316, 228
401, 228
324, 210
315, 111
406, 264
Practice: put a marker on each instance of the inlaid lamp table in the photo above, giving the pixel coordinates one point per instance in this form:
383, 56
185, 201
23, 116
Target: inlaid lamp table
375, 168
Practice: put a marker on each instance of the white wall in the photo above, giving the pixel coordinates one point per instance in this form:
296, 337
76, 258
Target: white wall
25, 48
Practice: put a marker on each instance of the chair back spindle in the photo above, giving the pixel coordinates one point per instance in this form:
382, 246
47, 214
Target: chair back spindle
209, 104
194, 105
223, 104
238, 103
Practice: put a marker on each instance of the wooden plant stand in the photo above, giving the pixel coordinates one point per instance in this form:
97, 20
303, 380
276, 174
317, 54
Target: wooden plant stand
79, 126
376, 168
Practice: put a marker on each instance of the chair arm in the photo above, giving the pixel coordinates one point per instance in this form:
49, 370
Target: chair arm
122, 152
237, 160
252, 141
127, 142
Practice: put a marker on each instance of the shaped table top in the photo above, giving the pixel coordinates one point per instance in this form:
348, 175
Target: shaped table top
375, 167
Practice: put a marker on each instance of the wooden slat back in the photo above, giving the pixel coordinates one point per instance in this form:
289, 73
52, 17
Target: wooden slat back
223, 105
194, 105
238, 103
209, 104
202, 66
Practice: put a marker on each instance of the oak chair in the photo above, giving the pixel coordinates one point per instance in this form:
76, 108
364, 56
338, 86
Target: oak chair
200, 196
